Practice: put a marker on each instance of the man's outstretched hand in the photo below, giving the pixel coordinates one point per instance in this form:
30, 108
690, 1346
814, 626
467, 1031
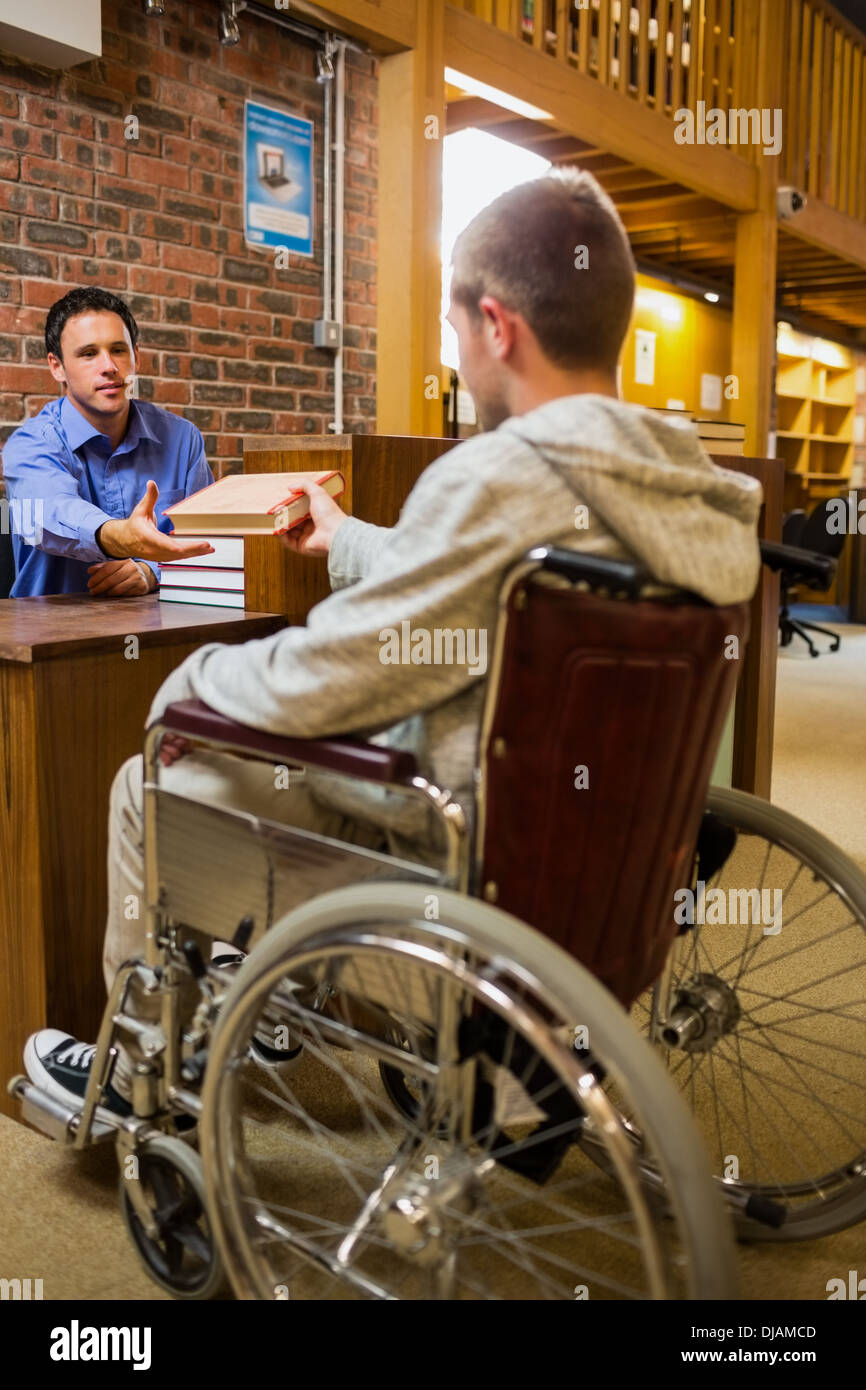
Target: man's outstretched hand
315, 534
138, 535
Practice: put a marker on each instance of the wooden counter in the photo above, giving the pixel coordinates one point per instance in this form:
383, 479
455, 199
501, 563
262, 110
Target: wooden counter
77, 677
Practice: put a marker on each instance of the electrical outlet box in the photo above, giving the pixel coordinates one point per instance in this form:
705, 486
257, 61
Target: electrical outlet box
327, 333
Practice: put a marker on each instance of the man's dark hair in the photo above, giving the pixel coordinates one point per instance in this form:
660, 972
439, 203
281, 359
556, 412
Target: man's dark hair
525, 249
84, 301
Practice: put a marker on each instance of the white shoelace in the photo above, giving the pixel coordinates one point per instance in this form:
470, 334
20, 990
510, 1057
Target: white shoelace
78, 1054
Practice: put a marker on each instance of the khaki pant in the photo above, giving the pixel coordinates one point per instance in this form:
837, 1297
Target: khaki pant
217, 779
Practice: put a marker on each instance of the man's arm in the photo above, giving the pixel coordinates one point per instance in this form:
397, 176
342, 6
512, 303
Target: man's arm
351, 667
48, 510
350, 545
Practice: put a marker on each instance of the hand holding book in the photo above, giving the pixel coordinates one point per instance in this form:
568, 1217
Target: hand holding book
315, 534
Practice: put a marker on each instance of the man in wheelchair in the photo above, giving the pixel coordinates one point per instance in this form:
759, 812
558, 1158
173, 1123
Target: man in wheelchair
562, 459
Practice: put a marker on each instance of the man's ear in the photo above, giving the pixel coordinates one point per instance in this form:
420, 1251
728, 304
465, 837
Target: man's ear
56, 367
499, 324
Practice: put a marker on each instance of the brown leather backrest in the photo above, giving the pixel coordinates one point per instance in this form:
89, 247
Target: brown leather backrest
636, 692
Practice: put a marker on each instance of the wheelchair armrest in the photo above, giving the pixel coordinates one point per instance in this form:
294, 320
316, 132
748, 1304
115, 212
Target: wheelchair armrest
598, 571
350, 757
800, 566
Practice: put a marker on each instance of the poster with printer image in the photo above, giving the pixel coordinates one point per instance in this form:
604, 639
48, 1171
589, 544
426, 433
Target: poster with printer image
278, 179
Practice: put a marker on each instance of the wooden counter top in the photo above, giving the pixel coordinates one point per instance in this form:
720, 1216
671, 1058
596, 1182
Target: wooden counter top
39, 629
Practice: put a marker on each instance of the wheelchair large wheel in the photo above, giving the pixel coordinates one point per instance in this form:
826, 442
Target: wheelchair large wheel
319, 1186
764, 1032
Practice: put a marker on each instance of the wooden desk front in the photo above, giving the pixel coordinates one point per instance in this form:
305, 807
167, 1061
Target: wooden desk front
77, 677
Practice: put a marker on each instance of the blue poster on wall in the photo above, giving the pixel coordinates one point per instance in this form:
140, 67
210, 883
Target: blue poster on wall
278, 179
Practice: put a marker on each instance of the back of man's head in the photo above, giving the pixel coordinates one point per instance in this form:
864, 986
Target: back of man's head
555, 251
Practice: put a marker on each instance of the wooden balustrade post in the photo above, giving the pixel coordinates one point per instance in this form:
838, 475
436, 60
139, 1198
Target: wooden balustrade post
411, 131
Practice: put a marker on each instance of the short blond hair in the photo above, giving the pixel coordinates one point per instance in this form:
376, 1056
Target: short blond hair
525, 248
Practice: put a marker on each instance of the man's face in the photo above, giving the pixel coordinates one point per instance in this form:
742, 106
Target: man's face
480, 367
98, 360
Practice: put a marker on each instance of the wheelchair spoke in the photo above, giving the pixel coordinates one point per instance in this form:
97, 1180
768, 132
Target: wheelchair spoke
469, 1184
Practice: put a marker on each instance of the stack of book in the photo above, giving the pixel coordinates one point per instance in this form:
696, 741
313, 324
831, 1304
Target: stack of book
244, 504
722, 436
717, 436
217, 579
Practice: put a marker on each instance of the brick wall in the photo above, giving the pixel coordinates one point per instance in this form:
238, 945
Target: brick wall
226, 337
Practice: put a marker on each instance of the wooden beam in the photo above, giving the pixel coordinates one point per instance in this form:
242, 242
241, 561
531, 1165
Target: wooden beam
588, 109
753, 337
386, 25
411, 128
831, 230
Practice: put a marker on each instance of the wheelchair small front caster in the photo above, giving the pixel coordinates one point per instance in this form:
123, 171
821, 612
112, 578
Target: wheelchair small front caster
182, 1256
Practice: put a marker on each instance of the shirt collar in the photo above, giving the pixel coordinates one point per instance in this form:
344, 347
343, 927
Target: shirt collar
79, 431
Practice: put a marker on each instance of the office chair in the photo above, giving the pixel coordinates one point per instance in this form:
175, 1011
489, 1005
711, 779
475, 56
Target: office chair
808, 534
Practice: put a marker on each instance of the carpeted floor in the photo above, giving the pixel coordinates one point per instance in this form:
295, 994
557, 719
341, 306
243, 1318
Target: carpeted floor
59, 1216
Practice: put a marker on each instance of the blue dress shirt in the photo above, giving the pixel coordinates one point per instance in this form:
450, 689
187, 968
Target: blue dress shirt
63, 482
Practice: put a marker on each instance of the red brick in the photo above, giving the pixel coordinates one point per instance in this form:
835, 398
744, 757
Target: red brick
206, 315
187, 258
172, 391
86, 213
160, 61
132, 250
143, 280
37, 202
188, 152
9, 104
43, 292
157, 171
48, 173
11, 407
191, 100
245, 321
25, 377
17, 319
219, 343
111, 275
111, 160
148, 362
37, 403
61, 117
8, 165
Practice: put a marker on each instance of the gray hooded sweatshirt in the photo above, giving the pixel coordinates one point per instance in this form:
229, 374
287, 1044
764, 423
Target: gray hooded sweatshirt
358, 666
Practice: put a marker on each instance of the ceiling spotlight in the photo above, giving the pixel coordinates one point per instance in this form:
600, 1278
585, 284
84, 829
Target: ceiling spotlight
228, 23
324, 66
153, 8
711, 296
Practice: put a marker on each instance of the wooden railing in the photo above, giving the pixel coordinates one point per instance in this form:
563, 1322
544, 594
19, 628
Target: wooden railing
670, 54
666, 54
824, 151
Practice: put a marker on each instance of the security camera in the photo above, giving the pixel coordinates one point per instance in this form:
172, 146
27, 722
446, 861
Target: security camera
789, 201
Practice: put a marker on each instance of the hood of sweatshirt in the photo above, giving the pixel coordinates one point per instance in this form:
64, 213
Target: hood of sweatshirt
648, 480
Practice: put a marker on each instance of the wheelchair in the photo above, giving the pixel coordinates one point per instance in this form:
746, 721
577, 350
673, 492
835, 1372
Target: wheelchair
469, 1111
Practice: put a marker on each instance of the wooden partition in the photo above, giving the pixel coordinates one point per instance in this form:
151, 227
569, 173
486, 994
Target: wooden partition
380, 472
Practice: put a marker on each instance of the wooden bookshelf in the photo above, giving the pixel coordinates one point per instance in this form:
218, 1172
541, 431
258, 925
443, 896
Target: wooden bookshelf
815, 401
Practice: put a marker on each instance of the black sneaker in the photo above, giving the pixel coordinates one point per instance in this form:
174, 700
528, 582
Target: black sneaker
59, 1065
261, 1048
284, 1059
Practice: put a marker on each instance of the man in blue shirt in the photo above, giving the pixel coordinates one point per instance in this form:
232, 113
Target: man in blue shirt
89, 477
